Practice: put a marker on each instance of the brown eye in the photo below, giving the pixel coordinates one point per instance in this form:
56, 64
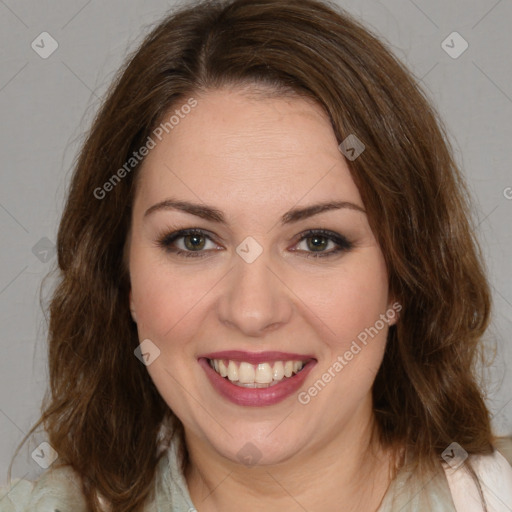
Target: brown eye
187, 242
194, 242
316, 242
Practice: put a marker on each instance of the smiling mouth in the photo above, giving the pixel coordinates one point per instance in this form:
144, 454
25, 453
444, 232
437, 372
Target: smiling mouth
261, 375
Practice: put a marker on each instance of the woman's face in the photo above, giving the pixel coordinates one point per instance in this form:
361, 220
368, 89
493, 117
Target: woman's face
251, 287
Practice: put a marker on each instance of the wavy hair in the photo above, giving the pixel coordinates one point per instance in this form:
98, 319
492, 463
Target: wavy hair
102, 411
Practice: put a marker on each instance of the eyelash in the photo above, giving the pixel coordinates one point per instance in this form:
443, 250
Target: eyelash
165, 241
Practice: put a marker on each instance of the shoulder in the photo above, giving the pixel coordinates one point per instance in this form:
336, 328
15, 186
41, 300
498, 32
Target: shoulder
494, 472
56, 489
504, 446
454, 489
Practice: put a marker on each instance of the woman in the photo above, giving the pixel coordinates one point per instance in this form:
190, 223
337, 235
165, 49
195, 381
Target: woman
271, 294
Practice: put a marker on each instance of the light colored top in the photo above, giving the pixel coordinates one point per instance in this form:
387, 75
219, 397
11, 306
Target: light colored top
451, 490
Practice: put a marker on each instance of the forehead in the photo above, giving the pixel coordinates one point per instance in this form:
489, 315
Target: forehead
247, 150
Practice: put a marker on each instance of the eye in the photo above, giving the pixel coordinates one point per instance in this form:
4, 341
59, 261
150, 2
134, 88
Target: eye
197, 243
315, 243
187, 242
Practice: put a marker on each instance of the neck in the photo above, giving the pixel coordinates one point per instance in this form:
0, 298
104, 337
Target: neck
351, 469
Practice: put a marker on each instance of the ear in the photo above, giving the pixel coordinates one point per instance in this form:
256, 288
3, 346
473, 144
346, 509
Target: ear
132, 308
393, 311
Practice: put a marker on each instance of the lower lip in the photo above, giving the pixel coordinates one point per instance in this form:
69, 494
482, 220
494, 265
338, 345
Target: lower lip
256, 397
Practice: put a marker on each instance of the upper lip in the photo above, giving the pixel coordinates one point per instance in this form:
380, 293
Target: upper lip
257, 357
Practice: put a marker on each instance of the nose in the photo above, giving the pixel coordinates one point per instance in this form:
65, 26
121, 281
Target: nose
254, 299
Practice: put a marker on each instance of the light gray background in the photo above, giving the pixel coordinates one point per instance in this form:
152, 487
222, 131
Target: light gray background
47, 104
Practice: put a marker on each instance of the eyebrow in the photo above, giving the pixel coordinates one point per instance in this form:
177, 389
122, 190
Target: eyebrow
215, 215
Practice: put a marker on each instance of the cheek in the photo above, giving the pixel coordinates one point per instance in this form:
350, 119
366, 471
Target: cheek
350, 300
164, 299
353, 356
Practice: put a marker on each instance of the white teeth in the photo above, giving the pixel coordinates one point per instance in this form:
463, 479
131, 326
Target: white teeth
246, 373
263, 374
232, 371
223, 369
260, 375
278, 373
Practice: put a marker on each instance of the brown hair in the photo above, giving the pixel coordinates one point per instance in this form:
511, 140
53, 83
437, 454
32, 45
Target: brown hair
103, 411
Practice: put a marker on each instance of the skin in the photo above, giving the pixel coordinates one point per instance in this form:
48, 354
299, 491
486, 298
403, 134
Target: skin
254, 157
